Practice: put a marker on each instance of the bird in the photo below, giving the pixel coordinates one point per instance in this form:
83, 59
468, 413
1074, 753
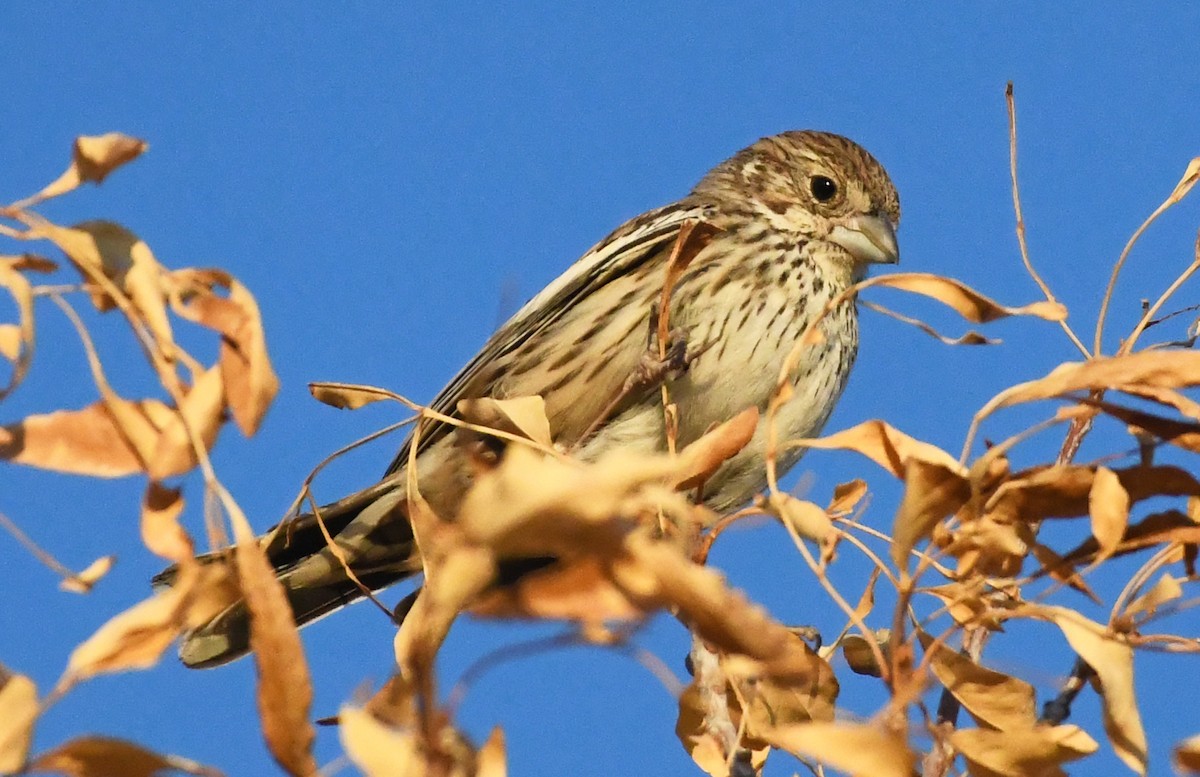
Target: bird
796, 218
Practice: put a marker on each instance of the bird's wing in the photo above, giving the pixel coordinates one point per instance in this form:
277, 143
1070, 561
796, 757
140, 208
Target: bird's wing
626, 248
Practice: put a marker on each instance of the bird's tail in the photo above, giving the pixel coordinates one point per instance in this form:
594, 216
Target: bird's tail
371, 529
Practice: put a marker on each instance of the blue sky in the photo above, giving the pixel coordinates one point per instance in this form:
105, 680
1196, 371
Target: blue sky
391, 180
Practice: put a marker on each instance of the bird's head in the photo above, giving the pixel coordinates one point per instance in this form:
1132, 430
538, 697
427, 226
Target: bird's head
818, 186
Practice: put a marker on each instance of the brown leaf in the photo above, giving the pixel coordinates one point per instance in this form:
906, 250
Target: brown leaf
1108, 505
967, 302
994, 699
1112, 658
1059, 569
93, 158
250, 381
17, 342
18, 712
1167, 589
90, 441
1154, 369
1187, 755
846, 497
854, 748
105, 757
932, 491
1064, 491
134, 639
805, 518
284, 687
377, 749
966, 605
204, 412
1019, 753
861, 657
82, 582
699, 460
137, 637
161, 532
346, 397
521, 416
886, 446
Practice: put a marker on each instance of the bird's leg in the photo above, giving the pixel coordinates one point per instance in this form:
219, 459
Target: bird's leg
652, 369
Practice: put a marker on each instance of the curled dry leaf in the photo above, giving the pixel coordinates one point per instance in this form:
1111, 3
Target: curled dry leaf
17, 340
18, 711
521, 416
932, 491
1020, 752
1187, 755
202, 412
993, 698
967, 338
111, 439
102, 756
1167, 589
968, 303
846, 497
699, 460
1112, 659
106, 250
382, 750
808, 520
1108, 505
249, 379
853, 748
1064, 491
1153, 369
161, 532
886, 446
93, 158
861, 657
346, 397
966, 604
82, 582
284, 687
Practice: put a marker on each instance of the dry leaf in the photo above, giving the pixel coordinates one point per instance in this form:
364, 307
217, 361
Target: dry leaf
18, 712
994, 699
250, 381
846, 497
1187, 755
1153, 369
521, 416
82, 582
93, 158
932, 491
105, 757
862, 750
284, 688
1019, 753
967, 302
1112, 658
102, 440
1167, 589
808, 520
204, 412
1108, 505
377, 749
699, 460
886, 446
161, 532
346, 397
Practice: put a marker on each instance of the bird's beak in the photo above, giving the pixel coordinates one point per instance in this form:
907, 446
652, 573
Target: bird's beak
868, 238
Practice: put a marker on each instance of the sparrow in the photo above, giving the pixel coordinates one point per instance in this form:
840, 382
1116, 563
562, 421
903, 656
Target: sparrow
795, 219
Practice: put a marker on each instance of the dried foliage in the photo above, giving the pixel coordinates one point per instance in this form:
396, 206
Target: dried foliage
964, 556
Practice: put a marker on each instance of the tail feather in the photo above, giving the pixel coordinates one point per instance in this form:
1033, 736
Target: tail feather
379, 545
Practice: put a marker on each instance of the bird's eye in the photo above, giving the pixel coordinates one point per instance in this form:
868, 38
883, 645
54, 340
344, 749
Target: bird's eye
823, 188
